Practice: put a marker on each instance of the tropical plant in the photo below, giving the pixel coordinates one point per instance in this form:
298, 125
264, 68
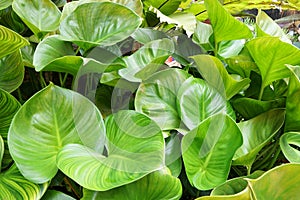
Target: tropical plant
147, 100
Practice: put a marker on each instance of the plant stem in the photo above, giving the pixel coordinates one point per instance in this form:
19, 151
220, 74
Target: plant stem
19, 95
71, 185
42, 80
261, 92
276, 154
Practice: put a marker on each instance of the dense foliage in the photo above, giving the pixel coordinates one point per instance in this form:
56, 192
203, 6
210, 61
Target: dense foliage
149, 99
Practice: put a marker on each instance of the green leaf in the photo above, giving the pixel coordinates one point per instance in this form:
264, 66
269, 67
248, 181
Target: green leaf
242, 65
250, 108
146, 35
10, 41
14, 186
173, 154
5, 3
157, 185
1, 151
12, 71
56, 195
269, 27
111, 23
202, 35
291, 152
271, 55
53, 54
166, 7
208, 150
196, 101
52, 118
292, 104
227, 49
8, 108
267, 185
214, 72
224, 28
39, 15
147, 60
131, 139
156, 97
268, 125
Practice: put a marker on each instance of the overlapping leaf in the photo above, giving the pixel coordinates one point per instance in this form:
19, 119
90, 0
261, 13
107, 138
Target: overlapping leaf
110, 23
132, 139
48, 121
5, 3
291, 152
208, 150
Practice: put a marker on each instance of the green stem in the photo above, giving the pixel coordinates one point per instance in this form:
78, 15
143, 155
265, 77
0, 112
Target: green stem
263, 163
42, 80
274, 159
261, 92
73, 187
20, 95
239, 172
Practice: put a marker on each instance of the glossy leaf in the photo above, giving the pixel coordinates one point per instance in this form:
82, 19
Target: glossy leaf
52, 118
147, 60
271, 55
156, 97
242, 65
56, 195
202, 35
291, 152
14, 186
270, 27
208, 150
146, 35
5, 3
8, 108
173, 154
166, 7
38, 15
53, 54
250, 108
132, 139
227, 49
268, 124
267, 185
214, 72
112, 23
224, 28
12, 71
292, 104
10, 41
157, 185
196, 101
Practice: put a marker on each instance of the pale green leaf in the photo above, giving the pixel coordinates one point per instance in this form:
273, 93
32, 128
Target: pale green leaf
292, 153
5, 3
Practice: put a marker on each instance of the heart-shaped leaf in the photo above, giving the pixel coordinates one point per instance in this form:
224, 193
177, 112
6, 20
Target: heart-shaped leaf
8, 108
268, 124
53, 54
132, 139
147, 60
269, 27
208, 149
214, 72
38, 15
196, 101
291, 152
156, 97
48, 121
224, 28
157, 185
14, 186
271, 55
12, 71
111, 23
10, 41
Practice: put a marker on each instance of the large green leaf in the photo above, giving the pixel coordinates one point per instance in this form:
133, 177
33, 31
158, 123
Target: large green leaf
208, 149
292, 153
10, 41
292, 122
202, 35
166, 7
157, 185
56, 195
48, 121
156, 97
12, 71
134, 146
5, 3
268, 124
53, 54
8, 108
38, 15
271, 55
110, 23
268, 26
147, 60
214, 72
14, 186
196, 100
146, 35
224, 28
